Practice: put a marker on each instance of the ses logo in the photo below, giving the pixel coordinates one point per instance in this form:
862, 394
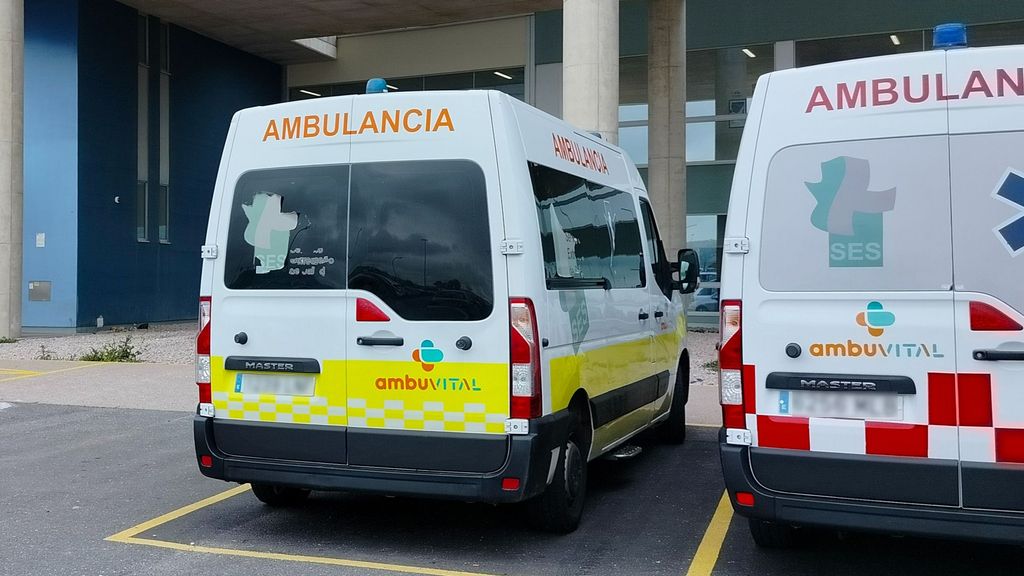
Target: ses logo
428, 357
875, 318
850, 213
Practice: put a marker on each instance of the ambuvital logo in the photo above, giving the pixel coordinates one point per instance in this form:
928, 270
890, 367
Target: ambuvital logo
427, 355
876, 319
850, 213
409, 383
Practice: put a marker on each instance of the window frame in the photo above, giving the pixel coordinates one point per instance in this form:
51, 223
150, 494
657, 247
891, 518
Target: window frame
661, 269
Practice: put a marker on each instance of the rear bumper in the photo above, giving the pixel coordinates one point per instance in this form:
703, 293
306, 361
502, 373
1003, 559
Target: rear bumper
916, 519
527, 457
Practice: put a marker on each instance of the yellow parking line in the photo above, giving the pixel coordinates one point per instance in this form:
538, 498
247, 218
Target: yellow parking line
711, 544
300, 558
129, 536
123, 535
30, 374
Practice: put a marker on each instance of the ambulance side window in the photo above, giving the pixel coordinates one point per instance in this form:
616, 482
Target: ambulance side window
662, 272
419, 238
589, 232
286, 229
864, 215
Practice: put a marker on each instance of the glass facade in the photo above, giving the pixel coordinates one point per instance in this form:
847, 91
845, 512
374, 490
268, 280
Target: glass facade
511, 81
719, 85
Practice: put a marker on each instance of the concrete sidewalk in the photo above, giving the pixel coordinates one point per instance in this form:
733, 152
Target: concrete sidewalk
172, 387
101, 384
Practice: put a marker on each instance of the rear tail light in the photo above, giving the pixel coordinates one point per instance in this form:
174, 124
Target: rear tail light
745, 499
203, 352
524, 347
730, 365
985, 317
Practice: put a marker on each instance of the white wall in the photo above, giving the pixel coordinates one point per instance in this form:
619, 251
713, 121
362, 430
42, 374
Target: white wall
455, 48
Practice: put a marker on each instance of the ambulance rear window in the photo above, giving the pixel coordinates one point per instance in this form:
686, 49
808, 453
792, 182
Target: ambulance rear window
419, 238
287, 229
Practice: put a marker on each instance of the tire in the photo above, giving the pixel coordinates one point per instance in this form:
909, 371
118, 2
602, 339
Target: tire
279, 496
772, 535
559, 508
673, 429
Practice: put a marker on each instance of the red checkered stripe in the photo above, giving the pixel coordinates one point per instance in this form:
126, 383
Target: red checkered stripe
961, 424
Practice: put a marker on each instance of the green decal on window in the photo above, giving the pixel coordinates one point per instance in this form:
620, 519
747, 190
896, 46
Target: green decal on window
268, 231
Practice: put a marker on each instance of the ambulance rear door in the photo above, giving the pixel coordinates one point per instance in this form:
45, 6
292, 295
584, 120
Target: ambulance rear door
278, 304
986, 127
847, 307
428, 331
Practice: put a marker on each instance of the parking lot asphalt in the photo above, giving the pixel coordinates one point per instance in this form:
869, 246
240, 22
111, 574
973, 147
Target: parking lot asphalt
71, 477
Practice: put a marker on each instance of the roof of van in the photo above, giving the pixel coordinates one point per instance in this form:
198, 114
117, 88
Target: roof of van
547, 139
887, 95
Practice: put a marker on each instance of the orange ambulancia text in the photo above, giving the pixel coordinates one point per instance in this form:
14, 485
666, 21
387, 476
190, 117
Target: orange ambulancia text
373, 121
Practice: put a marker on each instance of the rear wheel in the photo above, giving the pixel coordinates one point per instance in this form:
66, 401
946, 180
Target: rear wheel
279, 496
772, 535
673, 429
559, 508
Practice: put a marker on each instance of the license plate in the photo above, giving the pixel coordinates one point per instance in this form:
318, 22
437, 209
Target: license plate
856, 405
276, 384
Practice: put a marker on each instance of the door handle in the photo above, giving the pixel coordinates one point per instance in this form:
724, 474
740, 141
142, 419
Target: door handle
644, 315
373, 341
995, 355
658, 313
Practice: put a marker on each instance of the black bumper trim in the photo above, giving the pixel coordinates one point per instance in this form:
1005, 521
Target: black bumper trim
920, 520
884, 478
528, 459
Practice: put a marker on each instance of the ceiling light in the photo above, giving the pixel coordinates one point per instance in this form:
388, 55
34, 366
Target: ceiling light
502, 75
314, 94
895, 39
749, 53
390, 87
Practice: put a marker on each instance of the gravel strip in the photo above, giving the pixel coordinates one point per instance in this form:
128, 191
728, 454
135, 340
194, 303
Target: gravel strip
175, 344
164, 343
703, 357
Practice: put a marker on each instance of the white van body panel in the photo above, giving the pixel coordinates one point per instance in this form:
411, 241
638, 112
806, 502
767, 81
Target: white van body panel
881, 199
598, 343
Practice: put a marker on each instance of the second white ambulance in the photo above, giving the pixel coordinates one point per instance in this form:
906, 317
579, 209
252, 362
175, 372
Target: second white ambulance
872, 357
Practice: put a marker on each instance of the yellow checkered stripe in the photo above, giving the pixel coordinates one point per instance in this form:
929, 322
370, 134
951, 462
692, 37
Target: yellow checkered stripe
273, 408
433, 416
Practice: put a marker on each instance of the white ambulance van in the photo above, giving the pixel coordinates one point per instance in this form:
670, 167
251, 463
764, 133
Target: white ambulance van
443, 294
872, 356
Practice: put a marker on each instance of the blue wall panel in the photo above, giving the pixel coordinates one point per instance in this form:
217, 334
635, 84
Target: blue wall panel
124, 280
51, 159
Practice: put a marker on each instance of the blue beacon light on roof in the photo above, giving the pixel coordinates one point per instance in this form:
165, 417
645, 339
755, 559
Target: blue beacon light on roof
376, 86
952, 35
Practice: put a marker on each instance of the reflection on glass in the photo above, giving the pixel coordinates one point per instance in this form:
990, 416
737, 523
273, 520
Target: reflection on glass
589, 232
287, 230
420, 238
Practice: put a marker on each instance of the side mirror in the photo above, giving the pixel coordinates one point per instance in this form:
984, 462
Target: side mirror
689, 271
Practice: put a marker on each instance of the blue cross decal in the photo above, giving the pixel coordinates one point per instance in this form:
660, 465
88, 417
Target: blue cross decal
1011, 191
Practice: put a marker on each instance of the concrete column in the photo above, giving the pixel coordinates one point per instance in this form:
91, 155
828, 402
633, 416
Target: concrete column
590, 66
666, 134
12, 50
